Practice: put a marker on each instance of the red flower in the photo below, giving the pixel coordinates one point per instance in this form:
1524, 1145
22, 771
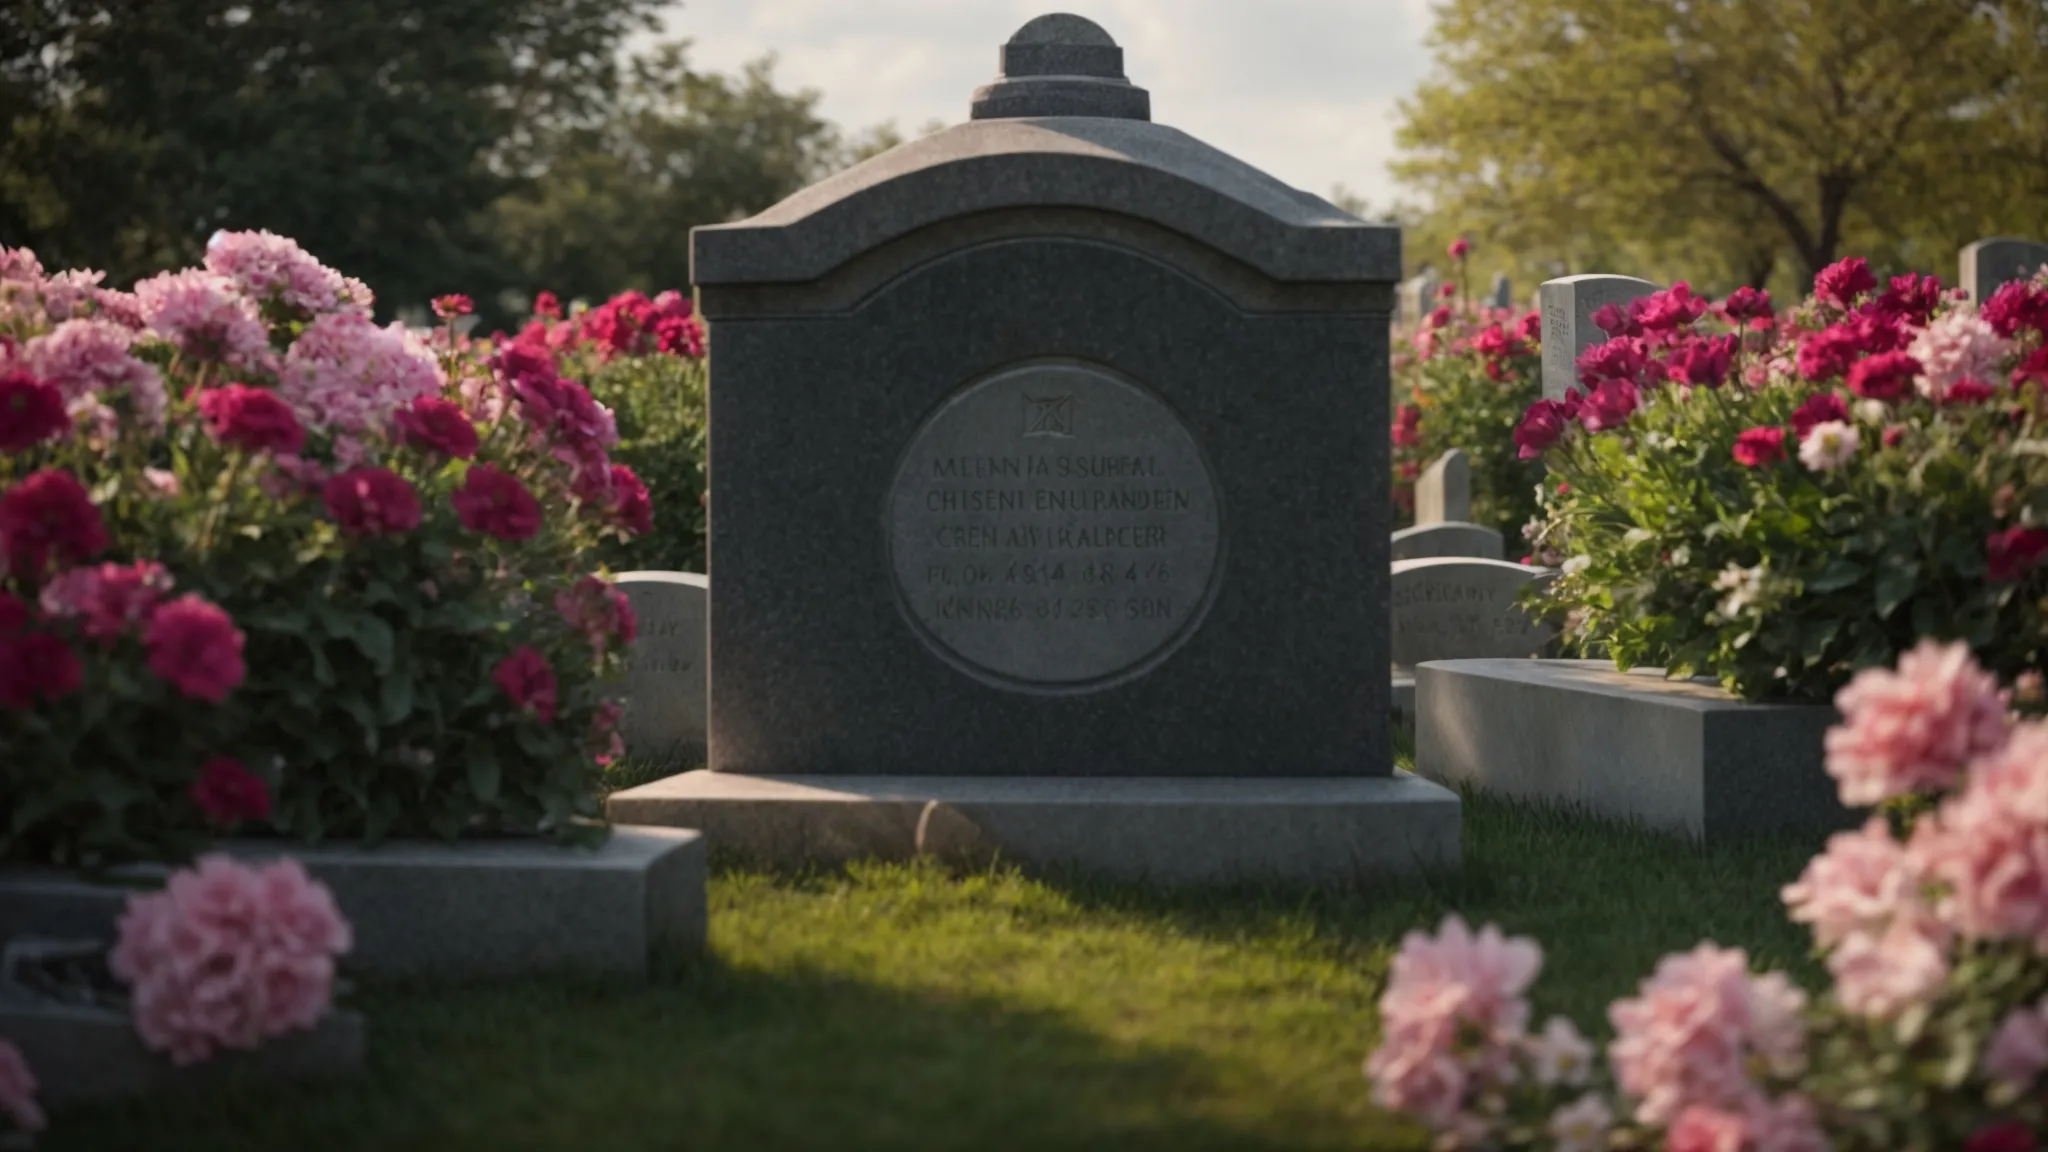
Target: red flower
1842, 282
372, 502
524, 360
1407, 430
1818, 409
1459, 248
1622, 358
252, 419
196, 648
1493, 341
37, 666
31, 411
1440, 318
1827, 354
2017, 305
2034, 369
1529, 328
452, 305
1760, 447
2011, 1136
1885, 376
1609, 405
1446, 291
497, 504
1747, 304
13, 614
547, 305
1894, 436
632, 509
1619, 320
1968, 390
1703, 362
2010, 554
111, 599
1673, 308
229, 793
600, 611
1543, 425
1911, 299
49, 516
528, 682
432, 424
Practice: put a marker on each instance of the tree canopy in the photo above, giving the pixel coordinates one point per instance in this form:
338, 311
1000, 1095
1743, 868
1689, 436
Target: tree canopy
1730, 140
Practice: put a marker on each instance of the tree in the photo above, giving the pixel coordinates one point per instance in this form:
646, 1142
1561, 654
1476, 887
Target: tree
1727, 140
373, 131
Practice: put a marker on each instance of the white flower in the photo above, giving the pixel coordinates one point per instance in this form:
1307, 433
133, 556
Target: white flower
1582, 1126
1635, 536
1829, 445
1577, 564
1873, 411
1745, 587
1956, 346
1681, 556
1533, 530
1560, 1054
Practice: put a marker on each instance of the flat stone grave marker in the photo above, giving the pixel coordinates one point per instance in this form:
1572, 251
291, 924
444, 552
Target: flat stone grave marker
1568, 304
1427, 541
1463, 609
1991, 262
1444, 490
666, 687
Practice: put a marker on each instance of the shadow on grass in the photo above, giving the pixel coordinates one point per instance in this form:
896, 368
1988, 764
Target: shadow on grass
710, 1057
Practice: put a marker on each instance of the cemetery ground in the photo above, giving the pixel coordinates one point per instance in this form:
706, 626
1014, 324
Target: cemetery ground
908, 1006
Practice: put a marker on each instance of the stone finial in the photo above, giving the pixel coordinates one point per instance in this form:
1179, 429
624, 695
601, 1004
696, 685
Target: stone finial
1061, 65
1444, 490
1568, 304
1991, 262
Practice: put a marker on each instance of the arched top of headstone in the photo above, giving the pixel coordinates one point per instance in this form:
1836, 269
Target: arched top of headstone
1061, 129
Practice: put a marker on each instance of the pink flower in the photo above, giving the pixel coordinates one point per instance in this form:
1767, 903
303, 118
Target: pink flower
1440, 986
432, 424
1967, 391
1446, 291
1885, 376
1542, 426
1881, 974
1858, 884
1788, 1124
196, 648
1618, 320
1914, 729
1558, 1054
1827, 354
2018, 306
228, 955
497, 504
2009, 555
598, 610
2016, 773
18, 1091
1609, 405
89, 359
37, 667
268, 267
630, 324
1819, 408
1459, 248
1953, 348
229, 793
604, 732
1759, 447
1407, 429
1687, 1038
1582, 1125
526, 679
2010, 1136
1844, 281
252, 419
372, 502
31, 411
452, 305
47, 517
2018, 1052
1993, 865
112, 599
346, 374
1910, 299
1673, 308
206, 317
1702, 1129
1703, 362
631, 509
545, 304
1529, 329
1747, 305
1622, 358
1440, 318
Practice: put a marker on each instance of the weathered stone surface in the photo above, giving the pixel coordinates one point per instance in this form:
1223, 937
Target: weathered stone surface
1683, 756
1568, 304
1170, 831
1989, 263
1463, 609
476, 909
1425, 541
667, 691
871, 357
1444, 490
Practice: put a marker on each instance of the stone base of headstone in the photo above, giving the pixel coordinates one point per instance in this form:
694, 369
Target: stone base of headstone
85, 1054
485, 909
1681, 756
1180, 831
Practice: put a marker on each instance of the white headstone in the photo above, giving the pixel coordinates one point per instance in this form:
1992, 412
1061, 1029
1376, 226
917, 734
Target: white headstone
1503, 292
1419, 296
1568, 304
666, 688
1988, 263
1463, 609
1429, 541
1444, 490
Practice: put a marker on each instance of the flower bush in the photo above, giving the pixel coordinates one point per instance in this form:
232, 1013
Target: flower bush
1781, 500
19, 1109
1467, 375
265, 566
1932, 920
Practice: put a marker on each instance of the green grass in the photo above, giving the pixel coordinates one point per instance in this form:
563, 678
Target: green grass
905, 1007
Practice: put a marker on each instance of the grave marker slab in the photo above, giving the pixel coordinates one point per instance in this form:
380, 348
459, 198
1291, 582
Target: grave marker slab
1425, 541
1568, 304
1444, 490
1463, 609
1991, 262
666, 686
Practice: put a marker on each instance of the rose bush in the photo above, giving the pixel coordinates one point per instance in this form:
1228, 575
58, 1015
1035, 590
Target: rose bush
1781, 500
269, 533
1933, 928
1468, 373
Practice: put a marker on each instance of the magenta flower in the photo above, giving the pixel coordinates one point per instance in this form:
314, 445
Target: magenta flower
1609, 405
1844, 282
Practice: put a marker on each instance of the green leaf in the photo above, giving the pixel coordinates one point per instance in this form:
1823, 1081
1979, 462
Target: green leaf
1895, 583
1840, 573
372, 637
395, 697
484, 775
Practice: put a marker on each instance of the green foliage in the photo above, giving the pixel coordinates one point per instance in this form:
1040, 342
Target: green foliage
659, 402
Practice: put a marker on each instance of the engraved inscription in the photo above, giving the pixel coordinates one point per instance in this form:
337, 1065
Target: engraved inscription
1452, 609
1062, 556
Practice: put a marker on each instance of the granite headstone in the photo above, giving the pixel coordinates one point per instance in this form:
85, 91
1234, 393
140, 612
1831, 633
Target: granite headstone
1444, 490
1568, 304
666, 686
1463, 609
1991, 262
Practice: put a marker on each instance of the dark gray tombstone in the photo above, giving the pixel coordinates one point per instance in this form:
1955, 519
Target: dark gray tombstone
1988, 263
1042, 447
666, 688
1568, 304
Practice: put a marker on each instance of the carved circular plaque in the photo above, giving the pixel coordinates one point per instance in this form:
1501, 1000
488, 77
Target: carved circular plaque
1054, 527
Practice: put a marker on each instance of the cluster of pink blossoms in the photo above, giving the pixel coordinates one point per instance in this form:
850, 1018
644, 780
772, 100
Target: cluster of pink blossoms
596, 608
345, 374
269, 268
228, 955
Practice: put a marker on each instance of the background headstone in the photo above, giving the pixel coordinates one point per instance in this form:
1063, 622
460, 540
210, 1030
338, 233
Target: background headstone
666, 686
1503, 292
1568, 304
1462, 609
1444, 490
1988, 263
1424, 541
1419, 296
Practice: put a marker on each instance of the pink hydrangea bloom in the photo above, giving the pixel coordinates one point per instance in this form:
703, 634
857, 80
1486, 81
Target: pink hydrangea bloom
228, 955
88, 359
2018, 1051
348, 375
1958, 346
206, 317
1858, 884
1882, 973
2016, 774
112, 599
1687, 1038
18, 1090
267, 266
1914, 729
1441, 985
1703, 1129
1787, 1124
1558, 1054
1992, 864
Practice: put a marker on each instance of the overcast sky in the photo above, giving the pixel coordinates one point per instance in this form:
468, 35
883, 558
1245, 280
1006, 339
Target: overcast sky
1304, 89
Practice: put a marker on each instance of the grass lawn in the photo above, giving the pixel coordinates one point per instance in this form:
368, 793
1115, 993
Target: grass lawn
904, 1007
